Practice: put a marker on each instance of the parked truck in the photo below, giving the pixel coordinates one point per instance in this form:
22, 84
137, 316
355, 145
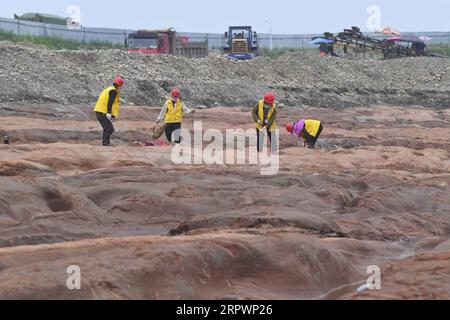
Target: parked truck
241, 43
166, 41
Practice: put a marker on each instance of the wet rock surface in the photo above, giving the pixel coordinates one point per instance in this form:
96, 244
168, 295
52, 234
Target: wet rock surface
374, 192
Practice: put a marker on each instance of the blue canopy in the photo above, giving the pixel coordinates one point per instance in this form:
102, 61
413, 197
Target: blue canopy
321, 40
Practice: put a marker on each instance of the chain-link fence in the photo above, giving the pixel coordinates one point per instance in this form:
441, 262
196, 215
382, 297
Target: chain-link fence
215, 40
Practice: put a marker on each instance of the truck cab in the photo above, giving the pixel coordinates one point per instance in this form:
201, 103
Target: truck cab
152, 41
241, 42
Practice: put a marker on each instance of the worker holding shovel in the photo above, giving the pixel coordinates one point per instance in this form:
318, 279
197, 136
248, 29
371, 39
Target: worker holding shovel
264, 115
172, 113
107, 108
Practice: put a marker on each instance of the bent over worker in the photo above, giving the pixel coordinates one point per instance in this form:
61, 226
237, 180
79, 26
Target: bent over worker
264, 114
172, 113
308, 130
107, 108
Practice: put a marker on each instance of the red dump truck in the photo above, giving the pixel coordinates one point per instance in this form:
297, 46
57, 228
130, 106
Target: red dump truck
166, 41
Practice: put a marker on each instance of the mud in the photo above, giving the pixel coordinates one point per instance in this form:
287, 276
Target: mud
374, 192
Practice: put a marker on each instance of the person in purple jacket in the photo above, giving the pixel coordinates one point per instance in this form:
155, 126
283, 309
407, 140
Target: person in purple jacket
308, 130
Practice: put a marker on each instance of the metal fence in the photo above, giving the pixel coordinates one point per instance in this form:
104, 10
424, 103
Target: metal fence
215, 40
18, 27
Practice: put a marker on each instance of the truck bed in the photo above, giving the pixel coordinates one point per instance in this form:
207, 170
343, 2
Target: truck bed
192, 49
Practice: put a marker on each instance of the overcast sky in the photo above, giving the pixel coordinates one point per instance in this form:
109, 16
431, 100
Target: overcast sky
286, 16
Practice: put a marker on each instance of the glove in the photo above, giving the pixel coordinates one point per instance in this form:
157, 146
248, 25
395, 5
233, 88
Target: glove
109, 116
260, 122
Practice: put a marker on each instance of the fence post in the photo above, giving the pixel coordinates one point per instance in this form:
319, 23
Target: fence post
18, 28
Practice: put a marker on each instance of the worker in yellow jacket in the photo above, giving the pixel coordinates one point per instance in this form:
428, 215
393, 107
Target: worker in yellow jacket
107, 108
308, 130
172, 113
264, 114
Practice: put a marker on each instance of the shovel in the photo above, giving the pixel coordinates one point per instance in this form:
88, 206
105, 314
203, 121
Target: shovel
115, 129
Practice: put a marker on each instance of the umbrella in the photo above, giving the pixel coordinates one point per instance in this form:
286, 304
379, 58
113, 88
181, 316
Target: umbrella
388, 31
393, 39
425, 38
411, 38
321, 40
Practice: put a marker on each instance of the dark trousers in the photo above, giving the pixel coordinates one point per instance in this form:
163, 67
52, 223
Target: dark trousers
173, 132
311, 141
260, 135
108, 128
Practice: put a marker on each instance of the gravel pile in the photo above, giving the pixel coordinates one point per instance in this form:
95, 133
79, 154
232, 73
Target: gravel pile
32, 74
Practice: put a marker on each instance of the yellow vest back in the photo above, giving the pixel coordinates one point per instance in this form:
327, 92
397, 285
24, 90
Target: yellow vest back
102, 103
312, 127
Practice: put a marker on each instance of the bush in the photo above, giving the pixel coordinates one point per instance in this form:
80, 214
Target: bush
441, 49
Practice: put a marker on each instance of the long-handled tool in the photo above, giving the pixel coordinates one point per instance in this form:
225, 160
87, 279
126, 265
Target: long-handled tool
117, 132
193, 117
114, 127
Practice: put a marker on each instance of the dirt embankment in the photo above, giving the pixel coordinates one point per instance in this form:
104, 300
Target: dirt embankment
32, 74
376, 192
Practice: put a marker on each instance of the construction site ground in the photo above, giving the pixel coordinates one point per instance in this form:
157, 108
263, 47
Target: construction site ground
374, 192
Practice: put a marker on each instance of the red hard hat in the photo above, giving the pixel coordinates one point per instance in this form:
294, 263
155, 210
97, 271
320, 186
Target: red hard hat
175, 93
289, 127
269, 98
118, 81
